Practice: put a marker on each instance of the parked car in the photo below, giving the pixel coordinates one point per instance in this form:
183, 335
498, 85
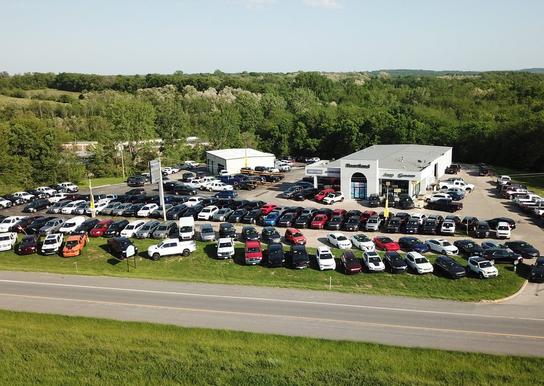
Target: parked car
100, 228
227, 230
333, 197
71, 224
206, 232
7, 241
131, 228
320, 196
7, 223
115, 228
410, 243
136, 181
51, 244
349, 264
325, 258
28, 245
74, 245
238, 214
449, 267
442, 246
338, 240
5, 203
431, 226
412, 226
372, 262
537, 271
146, 210
253, 253
270, 235
222, 214
373, 223
225, 248
481, 230
23, 224
248, 233
468, 247
502, 231
482, 267
147, 229
51, 226
165, 230
363, 242
294, 236
395, 262
121, 247
501, 255
37, 205
495, 221
418, 263
298, 257
275, 256
385, 243
523, 248
447, 227
170, 247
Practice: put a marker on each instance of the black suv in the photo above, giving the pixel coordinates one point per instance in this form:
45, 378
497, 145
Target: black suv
449, 267
135, 181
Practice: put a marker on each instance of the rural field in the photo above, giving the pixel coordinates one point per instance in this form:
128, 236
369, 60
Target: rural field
200, 266
48, 349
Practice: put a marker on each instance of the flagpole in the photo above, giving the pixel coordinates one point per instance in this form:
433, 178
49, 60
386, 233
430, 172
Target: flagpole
91, 199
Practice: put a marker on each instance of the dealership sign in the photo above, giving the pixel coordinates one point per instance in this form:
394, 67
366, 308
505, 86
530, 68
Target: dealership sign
399, 175
315, 172
358, 166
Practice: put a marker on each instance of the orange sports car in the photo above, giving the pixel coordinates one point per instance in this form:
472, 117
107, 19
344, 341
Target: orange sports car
74, 245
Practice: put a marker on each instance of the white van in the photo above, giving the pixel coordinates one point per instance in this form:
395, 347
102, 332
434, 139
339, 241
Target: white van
186, 228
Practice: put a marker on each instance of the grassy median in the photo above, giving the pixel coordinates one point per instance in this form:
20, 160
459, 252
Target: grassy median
50, 349
200, 266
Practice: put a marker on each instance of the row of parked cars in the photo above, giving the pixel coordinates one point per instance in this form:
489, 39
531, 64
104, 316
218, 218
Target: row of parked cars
526, 201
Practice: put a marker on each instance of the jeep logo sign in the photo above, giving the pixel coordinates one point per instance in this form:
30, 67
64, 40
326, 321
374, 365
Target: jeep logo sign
359, 166
400, 175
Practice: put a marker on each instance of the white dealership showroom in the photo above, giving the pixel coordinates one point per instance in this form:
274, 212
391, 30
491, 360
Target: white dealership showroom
405, 168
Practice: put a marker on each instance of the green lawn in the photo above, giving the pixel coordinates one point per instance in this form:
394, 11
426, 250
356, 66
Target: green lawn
50, 349
201, 267
534, 183
103, 181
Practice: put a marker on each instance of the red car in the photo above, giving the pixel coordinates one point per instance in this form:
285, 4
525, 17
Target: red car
253, 252
319, 221
339, 212
294, 236
322, 194
100, 228
367, 214
386, 244
267, 208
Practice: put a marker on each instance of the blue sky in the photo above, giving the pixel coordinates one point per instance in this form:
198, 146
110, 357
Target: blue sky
162, 36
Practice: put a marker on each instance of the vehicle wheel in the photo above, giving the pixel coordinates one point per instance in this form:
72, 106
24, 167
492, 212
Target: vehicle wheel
185, 252
156, 256
342, 199
481, 275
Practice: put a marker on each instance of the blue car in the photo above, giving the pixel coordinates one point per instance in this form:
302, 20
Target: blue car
271, 218
229, 194
410, 244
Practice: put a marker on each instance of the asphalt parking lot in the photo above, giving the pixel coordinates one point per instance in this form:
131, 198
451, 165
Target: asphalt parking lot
482, 203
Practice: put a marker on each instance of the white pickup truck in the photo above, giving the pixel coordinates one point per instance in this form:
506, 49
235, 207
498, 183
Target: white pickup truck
171, 247
458, 183
527, 198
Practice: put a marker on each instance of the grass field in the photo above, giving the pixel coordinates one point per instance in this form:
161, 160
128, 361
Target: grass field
201, 267
534, 183
49, 349
102, 181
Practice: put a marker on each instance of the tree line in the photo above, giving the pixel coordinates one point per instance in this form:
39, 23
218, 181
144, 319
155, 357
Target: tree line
497, 118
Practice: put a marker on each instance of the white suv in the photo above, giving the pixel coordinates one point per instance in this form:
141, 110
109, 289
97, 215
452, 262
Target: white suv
208, 212
419, 263
503, 230
225, 248
331, 198
325, 258
482, 267
51, 244
7, 240
71, 224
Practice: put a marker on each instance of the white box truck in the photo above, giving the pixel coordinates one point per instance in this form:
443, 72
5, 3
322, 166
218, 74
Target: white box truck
186, 228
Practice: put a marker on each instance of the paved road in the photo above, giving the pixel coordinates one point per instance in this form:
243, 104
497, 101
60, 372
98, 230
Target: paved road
492, 328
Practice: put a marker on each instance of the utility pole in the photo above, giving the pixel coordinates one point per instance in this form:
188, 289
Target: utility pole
123, 159
161, 191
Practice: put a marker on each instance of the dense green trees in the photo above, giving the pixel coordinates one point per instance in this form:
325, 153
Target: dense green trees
491, 117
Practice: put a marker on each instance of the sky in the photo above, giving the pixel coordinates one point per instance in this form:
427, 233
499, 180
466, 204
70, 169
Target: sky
163, 36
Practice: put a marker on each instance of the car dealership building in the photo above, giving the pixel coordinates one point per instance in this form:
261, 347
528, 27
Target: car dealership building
406, 168
232, 160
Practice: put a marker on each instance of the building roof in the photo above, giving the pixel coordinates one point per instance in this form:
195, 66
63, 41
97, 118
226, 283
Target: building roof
238, 153
407, 156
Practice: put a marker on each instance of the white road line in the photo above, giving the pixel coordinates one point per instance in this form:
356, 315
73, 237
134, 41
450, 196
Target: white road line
287, 301
295, 317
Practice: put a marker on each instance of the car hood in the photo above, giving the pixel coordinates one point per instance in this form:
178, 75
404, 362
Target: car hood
537, 271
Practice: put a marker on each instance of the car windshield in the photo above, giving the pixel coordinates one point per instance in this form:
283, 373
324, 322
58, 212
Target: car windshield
386, 240
50, 241
162, 228
4, 238
523, 245
484, 264
253, 250
206, 230
147, 227
539, 262
341, 238
27, 241
470, 245
446, 243
225, 245
361, 238
186, 229
71, 244
374, 259
297, 234
413, 222
421, 260
325, 256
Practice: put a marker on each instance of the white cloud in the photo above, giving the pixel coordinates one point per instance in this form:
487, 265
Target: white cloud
323, 3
